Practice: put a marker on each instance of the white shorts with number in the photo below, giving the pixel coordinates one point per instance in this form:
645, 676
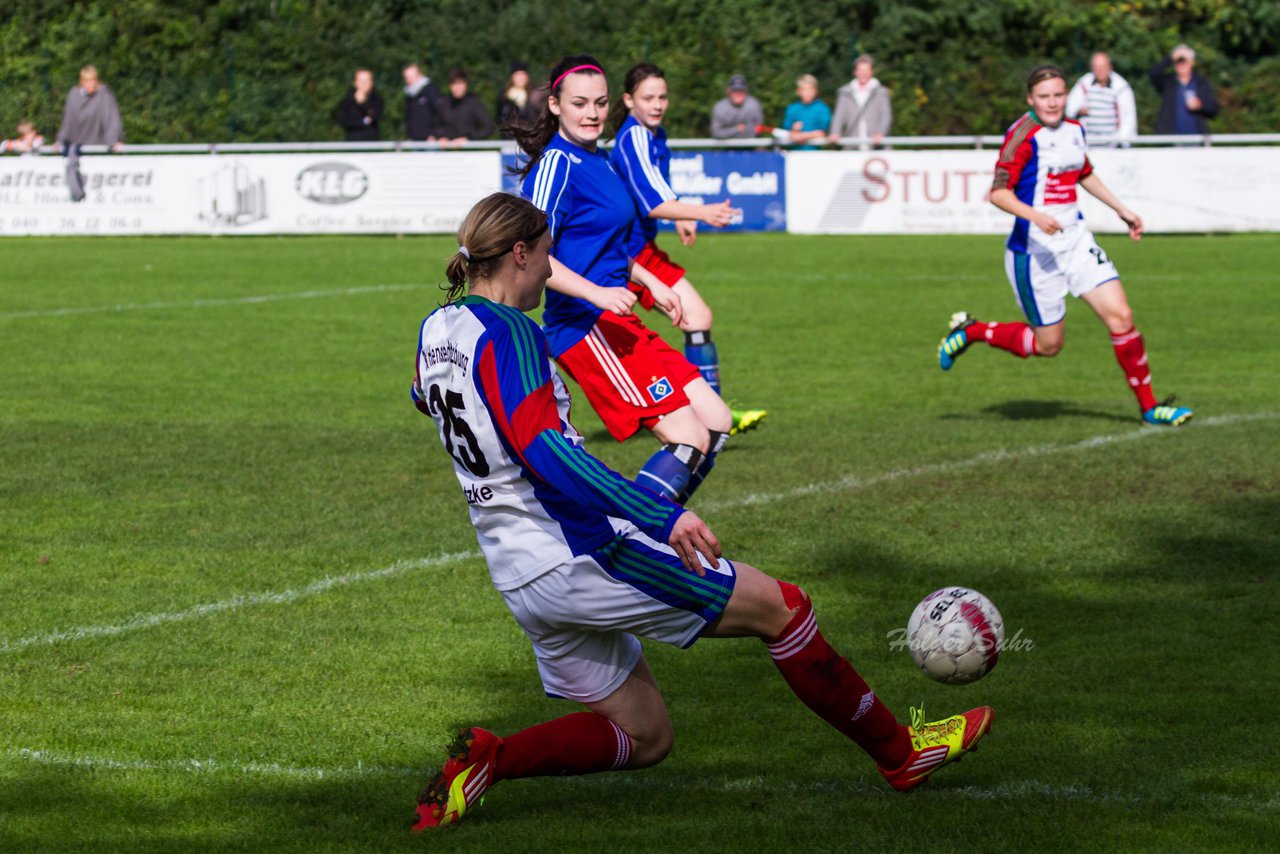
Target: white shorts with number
1042, 277
583, 616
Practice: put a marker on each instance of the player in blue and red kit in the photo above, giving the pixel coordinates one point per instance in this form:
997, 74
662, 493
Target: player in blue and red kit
643, 159
586, 560
631, 376
1051, 253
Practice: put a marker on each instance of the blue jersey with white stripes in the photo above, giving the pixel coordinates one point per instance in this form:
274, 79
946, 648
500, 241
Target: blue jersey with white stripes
537, 498
643, 159
591, 217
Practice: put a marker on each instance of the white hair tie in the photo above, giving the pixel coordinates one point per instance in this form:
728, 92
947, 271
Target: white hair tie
462, 250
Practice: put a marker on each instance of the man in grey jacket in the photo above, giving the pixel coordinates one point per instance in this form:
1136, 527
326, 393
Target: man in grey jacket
90, 117
863, 106
738, 115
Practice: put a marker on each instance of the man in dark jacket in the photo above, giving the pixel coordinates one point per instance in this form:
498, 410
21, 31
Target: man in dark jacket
461, 116
360, 111
1186, 98
420, 97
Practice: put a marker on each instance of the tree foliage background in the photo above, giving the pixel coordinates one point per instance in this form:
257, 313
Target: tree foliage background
272, 70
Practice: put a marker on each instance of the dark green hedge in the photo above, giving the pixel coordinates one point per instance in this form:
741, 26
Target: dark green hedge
268, 71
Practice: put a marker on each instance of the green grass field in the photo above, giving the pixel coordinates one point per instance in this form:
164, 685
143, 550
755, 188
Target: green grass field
241, 607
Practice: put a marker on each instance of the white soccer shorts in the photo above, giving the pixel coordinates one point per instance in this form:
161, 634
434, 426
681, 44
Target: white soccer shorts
1042, 278
583, 616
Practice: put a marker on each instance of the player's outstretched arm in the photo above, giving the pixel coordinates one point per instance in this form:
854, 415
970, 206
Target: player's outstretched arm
1102, 193
719, 214
569, 283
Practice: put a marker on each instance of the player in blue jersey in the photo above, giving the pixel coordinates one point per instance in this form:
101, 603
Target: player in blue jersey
586, 560
1051, 252
642, 158
631, 376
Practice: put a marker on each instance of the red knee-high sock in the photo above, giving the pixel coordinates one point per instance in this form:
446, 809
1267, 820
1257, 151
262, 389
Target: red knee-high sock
1131, 353
574, 744
829, 685
1017, 337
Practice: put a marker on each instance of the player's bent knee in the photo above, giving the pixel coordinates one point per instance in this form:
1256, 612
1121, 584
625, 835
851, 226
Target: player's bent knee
652, 746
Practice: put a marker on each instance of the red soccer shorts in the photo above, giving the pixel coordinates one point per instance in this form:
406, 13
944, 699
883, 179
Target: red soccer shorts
630, 375
658, 263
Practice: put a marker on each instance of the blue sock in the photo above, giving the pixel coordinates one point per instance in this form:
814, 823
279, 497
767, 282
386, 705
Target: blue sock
668, 471
704, 468
700, 350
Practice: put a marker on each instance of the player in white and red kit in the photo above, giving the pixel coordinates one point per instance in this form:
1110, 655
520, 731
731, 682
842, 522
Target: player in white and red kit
587, 560
1051, 252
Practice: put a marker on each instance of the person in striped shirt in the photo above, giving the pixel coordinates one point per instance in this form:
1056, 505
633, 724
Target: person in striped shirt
587, 560
643, 159
1102, 101
1051, 253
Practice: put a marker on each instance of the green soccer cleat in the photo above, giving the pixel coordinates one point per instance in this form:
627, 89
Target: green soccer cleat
957, 341
746, 419
1167, 415
937, 744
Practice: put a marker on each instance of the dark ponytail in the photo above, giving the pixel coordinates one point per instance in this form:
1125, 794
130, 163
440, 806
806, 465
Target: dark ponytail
533, 140
636, 75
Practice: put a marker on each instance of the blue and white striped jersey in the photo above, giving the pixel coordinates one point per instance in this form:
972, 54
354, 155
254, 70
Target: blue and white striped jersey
591, 216
643, 159
537, 498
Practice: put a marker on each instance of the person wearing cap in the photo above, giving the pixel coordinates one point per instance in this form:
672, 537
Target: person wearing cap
1186, 98
518, 104
460, 115
738, 114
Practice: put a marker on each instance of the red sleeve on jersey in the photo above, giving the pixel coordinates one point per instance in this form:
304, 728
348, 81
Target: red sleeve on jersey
536, 413
1088, 168
1015, 153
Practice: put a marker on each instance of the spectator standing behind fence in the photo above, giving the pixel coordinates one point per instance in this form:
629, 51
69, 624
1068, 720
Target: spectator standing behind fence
1102, 101
461, 116
738, 115
806, 118
90, 117
864, 107
420, 98
361, 109
1186, 99
26, 142
518, 104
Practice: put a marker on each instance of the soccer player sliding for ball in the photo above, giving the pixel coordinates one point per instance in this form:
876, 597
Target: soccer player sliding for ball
1051, 253
631, 377
586, 560
643, 159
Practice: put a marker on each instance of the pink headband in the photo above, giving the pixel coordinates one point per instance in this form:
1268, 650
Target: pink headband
577, 68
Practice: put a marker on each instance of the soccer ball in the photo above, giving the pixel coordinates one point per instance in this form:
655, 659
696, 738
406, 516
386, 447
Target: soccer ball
955, 635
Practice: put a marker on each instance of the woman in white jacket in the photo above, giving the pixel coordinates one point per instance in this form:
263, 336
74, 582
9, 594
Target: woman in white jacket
864, 108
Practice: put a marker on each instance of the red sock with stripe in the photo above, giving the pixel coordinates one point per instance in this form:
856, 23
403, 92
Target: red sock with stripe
1131, 353
580, 743
1018, 338
826, 683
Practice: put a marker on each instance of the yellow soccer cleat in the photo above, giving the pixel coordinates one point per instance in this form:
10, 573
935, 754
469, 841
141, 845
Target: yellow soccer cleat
747, 419
461, 783
938, 743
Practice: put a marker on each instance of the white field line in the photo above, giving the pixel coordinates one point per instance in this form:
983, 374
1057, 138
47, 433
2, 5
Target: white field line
280, 597
852, 483
206, 303
844, 484
1022, 790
